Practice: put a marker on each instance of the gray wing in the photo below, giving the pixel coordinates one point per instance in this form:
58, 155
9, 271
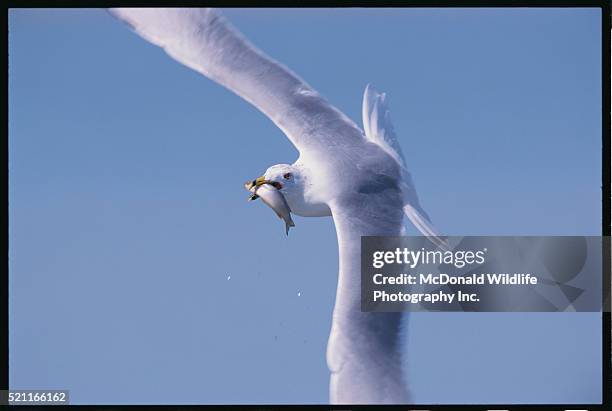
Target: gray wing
204, 41
377, 124
364, 350
380, 131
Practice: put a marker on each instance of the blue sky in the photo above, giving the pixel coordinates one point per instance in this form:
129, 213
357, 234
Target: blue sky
127, 211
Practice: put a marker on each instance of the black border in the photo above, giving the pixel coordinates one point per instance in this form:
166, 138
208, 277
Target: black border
606, 185
305, 3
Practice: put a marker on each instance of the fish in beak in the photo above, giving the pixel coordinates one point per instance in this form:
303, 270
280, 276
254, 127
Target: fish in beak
255, 183
252, 186
269, 193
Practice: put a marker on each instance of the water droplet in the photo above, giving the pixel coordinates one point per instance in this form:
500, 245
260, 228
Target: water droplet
229, 277
299, 293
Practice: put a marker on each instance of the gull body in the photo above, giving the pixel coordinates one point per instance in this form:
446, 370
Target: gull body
357, 176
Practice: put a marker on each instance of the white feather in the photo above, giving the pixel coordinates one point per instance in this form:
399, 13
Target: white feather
379, 130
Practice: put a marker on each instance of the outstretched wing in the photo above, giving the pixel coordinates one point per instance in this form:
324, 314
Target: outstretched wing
377, 124
379, 130
204, 41
364, 350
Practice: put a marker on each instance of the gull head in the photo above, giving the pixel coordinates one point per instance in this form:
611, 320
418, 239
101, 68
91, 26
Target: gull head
287, 179
294, 183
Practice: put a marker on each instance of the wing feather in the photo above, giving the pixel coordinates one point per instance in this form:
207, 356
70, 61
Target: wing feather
379, 130
377, 124
204, 41
364, 350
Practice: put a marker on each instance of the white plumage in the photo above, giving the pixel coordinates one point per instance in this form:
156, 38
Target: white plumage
361, 181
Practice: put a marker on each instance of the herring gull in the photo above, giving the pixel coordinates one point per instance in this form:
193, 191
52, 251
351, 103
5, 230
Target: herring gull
358, 177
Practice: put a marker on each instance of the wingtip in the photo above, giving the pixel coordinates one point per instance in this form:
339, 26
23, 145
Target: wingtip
369, 90
119, 14
115, 12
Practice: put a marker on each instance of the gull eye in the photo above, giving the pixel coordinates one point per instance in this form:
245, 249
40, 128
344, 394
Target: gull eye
287, 176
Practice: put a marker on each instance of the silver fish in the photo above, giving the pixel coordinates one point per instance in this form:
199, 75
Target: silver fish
273, 199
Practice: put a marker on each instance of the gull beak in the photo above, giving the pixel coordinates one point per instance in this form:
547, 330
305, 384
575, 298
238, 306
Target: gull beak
249, 185
255, 183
